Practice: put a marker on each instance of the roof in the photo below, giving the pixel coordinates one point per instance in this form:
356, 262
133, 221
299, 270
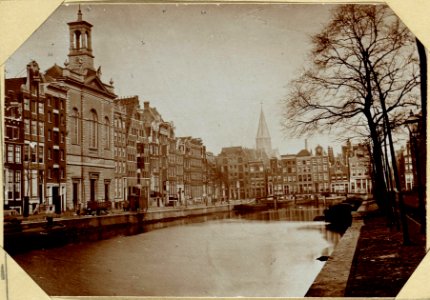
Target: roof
263, 131
303, 152
53, 73
231, 150
14, 84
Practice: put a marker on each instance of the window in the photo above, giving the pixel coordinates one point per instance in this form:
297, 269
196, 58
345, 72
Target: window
17, 190
27, 126
75, 126
93, 129
49, 116
33, 154
49, 154
56, 156
41, 154
10, 184
33, 181
10, 153
62, 154
49, 134
33, 106
26, 104
92, 189
107, 133
56, 138
106, 191
41, 129
26, 152
12, 132
56, 120
18, 154
41, 108
33, 128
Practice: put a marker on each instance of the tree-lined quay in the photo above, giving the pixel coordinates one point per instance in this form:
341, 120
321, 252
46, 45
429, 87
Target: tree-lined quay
369, 65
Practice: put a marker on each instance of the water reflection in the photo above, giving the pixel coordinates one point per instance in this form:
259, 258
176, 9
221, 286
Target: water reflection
268, 254
293, 213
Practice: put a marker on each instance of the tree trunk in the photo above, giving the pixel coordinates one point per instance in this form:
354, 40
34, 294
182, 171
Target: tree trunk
420, 150
380, 189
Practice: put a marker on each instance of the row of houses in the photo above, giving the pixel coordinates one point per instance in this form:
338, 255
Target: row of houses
70, 139
250, 173
65, 146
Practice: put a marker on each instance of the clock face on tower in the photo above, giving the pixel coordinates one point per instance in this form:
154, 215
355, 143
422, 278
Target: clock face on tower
79, 60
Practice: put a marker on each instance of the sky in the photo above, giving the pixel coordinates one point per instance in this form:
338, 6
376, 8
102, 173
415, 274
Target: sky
208, 68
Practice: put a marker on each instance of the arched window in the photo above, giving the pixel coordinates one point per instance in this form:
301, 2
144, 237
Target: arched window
75, 126
107, 133
77, 40
87, 40
93, 129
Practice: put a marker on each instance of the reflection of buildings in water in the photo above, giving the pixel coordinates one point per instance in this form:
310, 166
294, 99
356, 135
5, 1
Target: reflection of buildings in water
303, 214
273, 215
330, 236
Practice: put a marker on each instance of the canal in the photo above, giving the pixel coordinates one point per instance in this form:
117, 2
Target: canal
270, 253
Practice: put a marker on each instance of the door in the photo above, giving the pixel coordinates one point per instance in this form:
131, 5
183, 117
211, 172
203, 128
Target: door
92, 189
75, 194
56, 199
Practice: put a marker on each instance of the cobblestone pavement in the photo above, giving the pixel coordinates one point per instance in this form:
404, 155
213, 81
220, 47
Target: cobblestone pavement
382, 264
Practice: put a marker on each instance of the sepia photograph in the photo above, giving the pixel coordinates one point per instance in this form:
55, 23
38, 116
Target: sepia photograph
216, 150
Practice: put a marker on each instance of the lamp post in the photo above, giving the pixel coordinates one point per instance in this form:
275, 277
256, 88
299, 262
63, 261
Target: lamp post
412, 124
29, 176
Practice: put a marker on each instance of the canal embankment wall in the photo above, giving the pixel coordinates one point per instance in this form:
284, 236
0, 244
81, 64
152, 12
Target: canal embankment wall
333, 277
62, 231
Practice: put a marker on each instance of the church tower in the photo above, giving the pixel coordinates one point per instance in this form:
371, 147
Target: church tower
80, 51
263, 140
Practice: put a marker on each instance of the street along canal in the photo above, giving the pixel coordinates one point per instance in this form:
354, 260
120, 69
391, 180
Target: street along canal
269, 253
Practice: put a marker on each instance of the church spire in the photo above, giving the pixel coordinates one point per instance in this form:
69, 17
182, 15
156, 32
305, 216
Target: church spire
79, 13
263, 140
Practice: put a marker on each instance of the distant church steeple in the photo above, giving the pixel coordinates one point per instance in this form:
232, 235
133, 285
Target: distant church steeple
263, 140
80, 51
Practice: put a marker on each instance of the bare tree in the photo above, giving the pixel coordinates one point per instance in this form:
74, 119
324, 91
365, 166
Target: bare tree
364, 62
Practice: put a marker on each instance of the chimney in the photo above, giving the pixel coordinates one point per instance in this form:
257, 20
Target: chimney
146, 104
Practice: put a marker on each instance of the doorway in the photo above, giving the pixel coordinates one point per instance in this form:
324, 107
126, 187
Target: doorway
56, 199
75, 194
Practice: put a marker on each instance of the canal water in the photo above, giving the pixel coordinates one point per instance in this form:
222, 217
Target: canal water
271, 253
